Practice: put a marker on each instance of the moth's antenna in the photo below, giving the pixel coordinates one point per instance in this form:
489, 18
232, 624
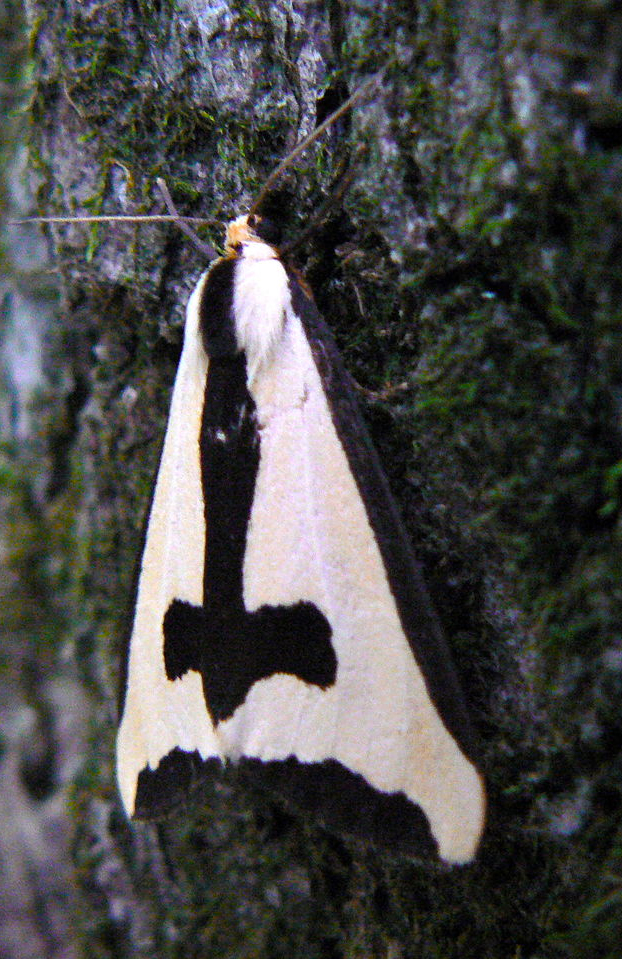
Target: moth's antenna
344, 180
173, 216
182, 223
362, 91
114, 218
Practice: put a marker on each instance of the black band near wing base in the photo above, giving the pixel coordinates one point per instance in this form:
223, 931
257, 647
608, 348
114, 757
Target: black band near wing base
326, 791
233, 649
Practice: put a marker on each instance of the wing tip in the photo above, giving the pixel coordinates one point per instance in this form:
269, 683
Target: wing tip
460, 833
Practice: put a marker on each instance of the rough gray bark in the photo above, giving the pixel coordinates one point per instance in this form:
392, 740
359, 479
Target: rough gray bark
475, 259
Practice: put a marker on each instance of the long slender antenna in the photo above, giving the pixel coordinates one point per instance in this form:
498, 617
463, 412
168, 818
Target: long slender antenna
183, 222
206, 248
329, 204
104, 218
362, 91
173, 216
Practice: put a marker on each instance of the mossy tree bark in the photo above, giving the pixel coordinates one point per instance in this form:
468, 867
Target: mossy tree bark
472, 276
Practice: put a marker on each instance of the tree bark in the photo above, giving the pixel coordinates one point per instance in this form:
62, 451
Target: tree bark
471, 275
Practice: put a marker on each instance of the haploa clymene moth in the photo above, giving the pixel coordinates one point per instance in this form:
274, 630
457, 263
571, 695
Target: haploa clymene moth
281, 621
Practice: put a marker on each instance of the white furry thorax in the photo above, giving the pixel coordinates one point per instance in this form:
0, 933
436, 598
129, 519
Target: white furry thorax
261, 297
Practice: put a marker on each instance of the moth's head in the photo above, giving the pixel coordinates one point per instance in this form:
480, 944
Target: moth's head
250, 228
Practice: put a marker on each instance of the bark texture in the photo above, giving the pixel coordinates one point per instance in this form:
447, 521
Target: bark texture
472, 276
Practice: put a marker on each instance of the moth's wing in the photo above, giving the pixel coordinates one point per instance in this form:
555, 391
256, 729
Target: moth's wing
384, 751
164, 718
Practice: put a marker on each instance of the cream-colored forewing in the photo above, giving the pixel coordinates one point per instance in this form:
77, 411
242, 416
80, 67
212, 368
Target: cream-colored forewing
158, 714
309, 538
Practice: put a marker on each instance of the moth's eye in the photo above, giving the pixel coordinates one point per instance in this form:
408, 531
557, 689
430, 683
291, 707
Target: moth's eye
251, 220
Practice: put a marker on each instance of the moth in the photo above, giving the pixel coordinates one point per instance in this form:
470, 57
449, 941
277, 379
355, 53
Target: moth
281, 621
